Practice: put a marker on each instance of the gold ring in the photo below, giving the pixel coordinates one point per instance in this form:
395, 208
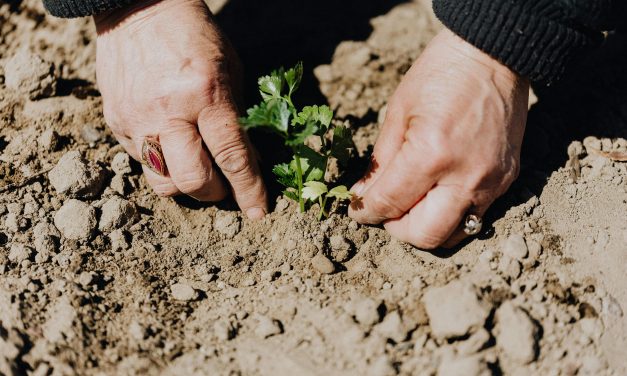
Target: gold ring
152, 156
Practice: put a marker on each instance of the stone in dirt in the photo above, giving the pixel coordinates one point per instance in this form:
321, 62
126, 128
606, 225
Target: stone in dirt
116, 213
227, 223
515, 247
467, 366
30, 75
366, 311
19, 253
474, 343
76, 220
340, 248
60, 321
183, 292
74, 177
118, 240
321, 263
455, 310
510, 267
392, 327
224, 330
516, 333
268, 327
87, 278
121, 164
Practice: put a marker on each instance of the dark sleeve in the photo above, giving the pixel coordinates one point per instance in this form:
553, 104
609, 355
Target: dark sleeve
81, 8
535, 38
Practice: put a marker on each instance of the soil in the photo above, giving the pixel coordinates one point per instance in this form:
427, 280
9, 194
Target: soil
98, 276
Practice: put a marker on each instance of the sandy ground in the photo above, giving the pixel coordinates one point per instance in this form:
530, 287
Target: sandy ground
100, 277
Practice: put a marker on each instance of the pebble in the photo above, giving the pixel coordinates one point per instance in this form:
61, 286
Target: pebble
392, 327
121, 164
74, 177
118, 240
118, 184
321, 263
224, 330
137, 331
510, 267
15, 223
76, 220
30, 75
183, 292
19, 253
463, 366
340, 248
268, 327
517, 333
454, 310
474, 343
45, 246
86, 279
48, 140
116, 213
515, 247
227, 223
366, 311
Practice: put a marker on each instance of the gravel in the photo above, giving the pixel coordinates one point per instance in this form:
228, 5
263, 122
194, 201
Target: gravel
455, 310
321, 263
74, 177
76, 220
183, 292
516, 333
116, 213
268, 327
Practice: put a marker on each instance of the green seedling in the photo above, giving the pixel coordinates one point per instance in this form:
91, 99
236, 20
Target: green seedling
304, 176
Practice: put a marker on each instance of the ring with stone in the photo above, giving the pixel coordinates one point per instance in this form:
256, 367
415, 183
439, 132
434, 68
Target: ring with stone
472, 224
152, 156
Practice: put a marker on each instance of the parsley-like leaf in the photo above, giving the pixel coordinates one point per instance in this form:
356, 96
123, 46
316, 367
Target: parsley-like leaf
340, 192
342, 144
271, 86
313, 190
294, 77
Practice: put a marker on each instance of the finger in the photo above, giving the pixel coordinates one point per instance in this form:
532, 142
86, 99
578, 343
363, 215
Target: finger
409, 176
432, 221
387, 145
188, 163
233, 153
459, 235
161, 185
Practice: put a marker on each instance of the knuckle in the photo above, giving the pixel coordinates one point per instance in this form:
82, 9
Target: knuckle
233, 159
381, 205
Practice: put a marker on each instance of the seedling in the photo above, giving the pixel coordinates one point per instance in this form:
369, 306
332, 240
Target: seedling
304, 176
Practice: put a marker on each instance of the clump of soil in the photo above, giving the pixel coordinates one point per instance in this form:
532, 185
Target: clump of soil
100, 276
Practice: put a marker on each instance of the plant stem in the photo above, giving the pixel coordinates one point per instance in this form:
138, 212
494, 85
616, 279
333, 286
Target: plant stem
323, 204
299, 181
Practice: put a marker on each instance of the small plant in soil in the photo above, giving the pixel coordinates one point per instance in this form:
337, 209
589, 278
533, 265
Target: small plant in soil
304, 176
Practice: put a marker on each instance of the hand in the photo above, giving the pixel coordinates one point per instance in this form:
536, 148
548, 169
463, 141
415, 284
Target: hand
450, 144
165, 71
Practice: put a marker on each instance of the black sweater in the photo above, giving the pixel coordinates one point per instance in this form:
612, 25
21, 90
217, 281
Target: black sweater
536, 38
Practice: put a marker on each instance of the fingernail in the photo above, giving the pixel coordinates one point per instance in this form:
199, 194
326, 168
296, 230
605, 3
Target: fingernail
255, 213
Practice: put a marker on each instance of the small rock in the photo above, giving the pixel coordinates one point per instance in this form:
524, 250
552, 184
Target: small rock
30, 75
76, 220
517, 333
118, 184
392, 327
510, 267
121, 164
60, 322
116, 213
74, 177
267, 327
183, 292
340, 248
468, 366
515, 247
227, 223
137, 331
591, 143
91, 134
118, 240
455, 310
19, 253
15, 223
48, 140
224, 330
321, 263
367, 312
45, 246
86, 279
474, 343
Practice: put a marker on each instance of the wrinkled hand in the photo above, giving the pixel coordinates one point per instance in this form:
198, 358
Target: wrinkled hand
165, 71
450, 144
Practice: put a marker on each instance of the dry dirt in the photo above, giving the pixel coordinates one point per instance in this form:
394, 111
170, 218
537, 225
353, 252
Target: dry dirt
100, 277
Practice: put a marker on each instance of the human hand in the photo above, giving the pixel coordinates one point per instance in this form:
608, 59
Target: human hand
165, 71
450, 145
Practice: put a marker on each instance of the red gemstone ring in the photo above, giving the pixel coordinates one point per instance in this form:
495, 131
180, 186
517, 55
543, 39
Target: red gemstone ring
152, 156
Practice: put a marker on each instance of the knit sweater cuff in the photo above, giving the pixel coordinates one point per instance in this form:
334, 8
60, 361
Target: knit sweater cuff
530, 44
82, 8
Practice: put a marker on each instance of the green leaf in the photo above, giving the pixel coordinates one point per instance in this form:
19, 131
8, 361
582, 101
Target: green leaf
294, 77
316, 163
271, 86
342, 144
341, 193
313, 190
291, 195
285, 175
273, 114
298, 138
322, 115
